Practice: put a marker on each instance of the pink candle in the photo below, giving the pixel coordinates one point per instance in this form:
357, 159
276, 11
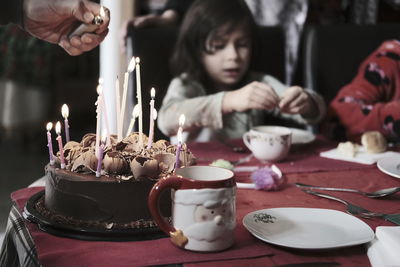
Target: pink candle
151, 128
49, 126
65, 114
179, 136
60, 145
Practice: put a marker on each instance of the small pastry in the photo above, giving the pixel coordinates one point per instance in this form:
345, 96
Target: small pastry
348, 149
374, 142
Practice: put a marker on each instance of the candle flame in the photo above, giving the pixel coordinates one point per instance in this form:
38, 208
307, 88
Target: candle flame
49, 126
117, 83
65, 111
136, 111
182, 119
137, 59
131, 65
58, 127
155, 114
102, 12
152, 92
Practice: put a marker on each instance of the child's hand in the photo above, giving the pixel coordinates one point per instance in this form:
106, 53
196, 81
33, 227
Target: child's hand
297, 101
255, 95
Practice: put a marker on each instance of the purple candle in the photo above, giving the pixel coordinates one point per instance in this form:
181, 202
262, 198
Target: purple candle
60, 144
101, 153
100, 160
49, 126
65, 114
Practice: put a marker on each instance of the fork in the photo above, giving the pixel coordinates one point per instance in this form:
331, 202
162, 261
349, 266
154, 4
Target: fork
350, 208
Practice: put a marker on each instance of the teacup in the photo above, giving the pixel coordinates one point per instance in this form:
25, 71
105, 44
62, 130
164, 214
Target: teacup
268, 143
203, 208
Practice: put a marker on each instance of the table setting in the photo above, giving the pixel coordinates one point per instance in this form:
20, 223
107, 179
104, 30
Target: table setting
303, 213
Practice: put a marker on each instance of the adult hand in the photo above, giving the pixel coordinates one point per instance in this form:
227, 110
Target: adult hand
53, 20
296, 100
255, 95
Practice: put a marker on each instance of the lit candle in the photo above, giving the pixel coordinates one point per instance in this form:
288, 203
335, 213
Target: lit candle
118, 108
179, 136
98, 116
151, 128
49, 126
101, 152
60, 144
65, 114
139, 99
135, 114
131, 68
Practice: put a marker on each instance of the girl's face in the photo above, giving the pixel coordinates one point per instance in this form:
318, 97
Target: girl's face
228, 58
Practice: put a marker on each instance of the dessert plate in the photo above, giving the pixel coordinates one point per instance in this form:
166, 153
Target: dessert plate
300, 136
390, 166
54, 227
307, 228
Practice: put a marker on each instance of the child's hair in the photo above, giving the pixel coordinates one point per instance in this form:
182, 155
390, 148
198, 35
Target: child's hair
199, 29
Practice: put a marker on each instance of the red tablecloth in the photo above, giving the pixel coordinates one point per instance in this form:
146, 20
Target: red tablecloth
302, 158
248, 251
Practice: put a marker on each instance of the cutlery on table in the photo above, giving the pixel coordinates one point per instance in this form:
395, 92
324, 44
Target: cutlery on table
358, 211
376, 194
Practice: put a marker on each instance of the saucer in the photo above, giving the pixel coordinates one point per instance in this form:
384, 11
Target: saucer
390, 166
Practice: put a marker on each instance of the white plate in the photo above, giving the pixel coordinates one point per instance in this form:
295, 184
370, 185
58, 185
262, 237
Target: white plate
300, 136
307, 228
390, 166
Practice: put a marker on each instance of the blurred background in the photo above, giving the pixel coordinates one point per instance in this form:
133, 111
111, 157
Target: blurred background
37, 78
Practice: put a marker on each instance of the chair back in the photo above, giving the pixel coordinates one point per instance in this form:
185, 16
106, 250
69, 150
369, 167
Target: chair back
332, 54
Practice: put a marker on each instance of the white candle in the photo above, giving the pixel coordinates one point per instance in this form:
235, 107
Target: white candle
118, 109
101, 152
179, 136
104, 112
139, 99
49, 126
60, 144
135, 114
98, 116
65, 114
151, 128
131, 68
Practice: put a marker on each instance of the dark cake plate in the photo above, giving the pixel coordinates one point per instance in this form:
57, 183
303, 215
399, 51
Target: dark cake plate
49, 225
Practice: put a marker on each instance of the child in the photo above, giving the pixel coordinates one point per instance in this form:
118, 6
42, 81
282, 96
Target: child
370, 102
214, 88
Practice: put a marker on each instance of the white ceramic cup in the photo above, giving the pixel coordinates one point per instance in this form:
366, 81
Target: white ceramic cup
203, 208
268, 143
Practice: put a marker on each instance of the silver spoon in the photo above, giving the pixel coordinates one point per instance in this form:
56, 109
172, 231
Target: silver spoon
376, 194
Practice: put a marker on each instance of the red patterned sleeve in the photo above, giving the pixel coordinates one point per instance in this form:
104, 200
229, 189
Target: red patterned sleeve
372, 100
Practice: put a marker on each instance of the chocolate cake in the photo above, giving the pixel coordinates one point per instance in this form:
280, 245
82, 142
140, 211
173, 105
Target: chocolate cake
116, 199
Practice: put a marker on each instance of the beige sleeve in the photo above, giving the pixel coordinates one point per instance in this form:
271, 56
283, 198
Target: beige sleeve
185, 97
319, 101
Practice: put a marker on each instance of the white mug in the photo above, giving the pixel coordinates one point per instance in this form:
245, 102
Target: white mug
268, 143
203, 208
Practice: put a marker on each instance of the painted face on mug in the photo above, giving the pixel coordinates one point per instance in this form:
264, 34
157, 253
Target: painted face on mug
228, 56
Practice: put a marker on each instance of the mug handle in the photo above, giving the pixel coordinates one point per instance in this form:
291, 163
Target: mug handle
163, 184
246, 140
